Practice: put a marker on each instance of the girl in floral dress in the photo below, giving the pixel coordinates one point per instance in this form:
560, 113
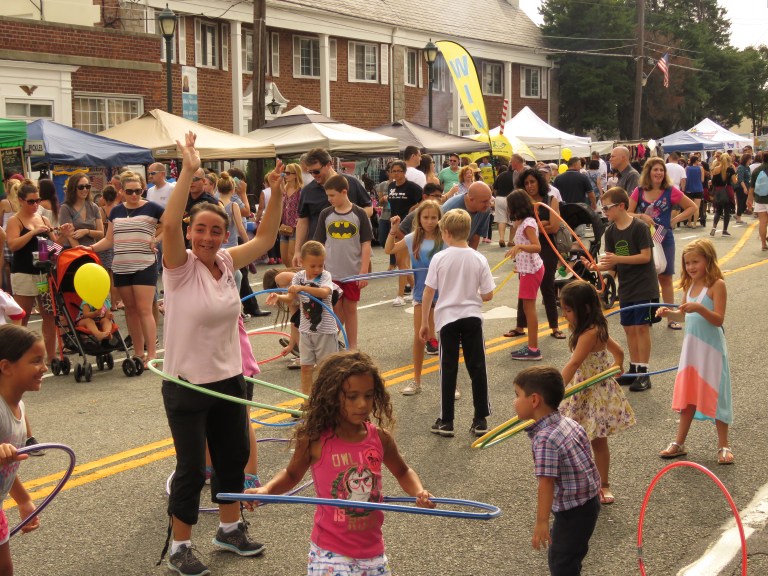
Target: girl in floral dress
602, 409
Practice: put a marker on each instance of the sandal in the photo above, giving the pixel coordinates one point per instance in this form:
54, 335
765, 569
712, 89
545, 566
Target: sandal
675, 326
674, 450
725, 456
514, 333
606, 496
556, 333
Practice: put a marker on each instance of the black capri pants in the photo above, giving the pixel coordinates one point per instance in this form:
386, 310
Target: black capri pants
195, 417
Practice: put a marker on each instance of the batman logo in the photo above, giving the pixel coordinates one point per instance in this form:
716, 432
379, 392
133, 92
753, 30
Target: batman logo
342, 230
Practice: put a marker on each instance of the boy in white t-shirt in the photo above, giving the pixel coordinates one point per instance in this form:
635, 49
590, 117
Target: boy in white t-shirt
459, 318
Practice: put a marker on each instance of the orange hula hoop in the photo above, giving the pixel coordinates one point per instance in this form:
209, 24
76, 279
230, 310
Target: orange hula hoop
573, 235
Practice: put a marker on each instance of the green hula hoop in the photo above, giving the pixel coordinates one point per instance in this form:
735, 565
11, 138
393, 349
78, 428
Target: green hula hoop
204, 390
276, 387
515, 426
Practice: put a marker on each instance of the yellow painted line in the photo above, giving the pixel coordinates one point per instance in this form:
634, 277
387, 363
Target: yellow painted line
111, 465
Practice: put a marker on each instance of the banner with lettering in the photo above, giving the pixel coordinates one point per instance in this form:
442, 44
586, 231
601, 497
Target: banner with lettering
465, 79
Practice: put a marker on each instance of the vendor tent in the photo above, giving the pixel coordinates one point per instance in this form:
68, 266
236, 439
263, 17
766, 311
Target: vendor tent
12, 133
683, 141
301, 129
712, 131
428, 139
159, 131
65, 145
544, 141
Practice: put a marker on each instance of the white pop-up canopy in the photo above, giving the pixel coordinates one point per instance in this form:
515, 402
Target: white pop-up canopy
301, 129
544, 141
159, 130
713, 131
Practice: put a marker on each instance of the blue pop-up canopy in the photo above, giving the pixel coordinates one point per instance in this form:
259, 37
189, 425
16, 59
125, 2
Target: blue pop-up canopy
688, 142
65, 145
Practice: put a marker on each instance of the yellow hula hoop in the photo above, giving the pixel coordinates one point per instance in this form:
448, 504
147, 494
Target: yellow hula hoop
499, 265
507, 279
514, 425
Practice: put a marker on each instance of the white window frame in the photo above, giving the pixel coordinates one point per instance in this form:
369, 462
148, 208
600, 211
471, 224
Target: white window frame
411, 67
440, 71
106, 98
28, 103
202, 27
370, 53
297, 56
488, 87
224, 38
526, 91
247, 50
333, 62
274, 47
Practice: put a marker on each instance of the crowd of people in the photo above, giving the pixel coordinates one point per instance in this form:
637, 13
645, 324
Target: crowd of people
203, 237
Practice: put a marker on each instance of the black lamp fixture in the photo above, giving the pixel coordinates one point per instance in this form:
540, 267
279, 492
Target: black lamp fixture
167, 19
430, 55
273, 107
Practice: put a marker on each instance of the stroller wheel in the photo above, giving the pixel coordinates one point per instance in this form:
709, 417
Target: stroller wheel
88, 371
608, 297
56, 366
66, 365
129, 368
139, 364
100, 362
78, 372
110, 360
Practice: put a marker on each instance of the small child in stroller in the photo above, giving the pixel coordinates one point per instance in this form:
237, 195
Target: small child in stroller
97, 322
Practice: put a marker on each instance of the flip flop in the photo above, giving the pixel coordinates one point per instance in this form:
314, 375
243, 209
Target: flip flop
674, 450
675, 326
558, 334
606, 497
725, 456
514, 333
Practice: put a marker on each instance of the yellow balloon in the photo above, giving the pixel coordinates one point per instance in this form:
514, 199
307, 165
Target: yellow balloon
567, 153
562, 168
92, 284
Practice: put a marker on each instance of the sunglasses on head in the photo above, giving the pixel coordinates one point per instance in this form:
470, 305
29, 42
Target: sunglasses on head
32, 201
83, 186
132, 191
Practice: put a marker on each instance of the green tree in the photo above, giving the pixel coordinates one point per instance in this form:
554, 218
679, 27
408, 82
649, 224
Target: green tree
754, 83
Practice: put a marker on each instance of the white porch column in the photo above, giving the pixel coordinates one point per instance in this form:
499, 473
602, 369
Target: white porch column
325, 76
235, 49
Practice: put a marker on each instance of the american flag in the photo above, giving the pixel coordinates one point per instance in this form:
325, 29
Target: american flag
663, 65
659, 233
53, 247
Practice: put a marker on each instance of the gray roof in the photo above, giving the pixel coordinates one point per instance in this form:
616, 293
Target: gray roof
489, 20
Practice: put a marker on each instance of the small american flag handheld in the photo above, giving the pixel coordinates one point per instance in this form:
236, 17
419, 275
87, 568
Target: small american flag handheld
54, 248
659, 233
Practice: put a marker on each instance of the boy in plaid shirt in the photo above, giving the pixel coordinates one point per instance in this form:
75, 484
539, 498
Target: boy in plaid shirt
568, 479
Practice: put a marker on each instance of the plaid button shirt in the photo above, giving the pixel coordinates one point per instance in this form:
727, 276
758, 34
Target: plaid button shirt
561, 450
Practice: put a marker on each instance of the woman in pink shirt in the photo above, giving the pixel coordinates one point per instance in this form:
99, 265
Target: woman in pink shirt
202, 305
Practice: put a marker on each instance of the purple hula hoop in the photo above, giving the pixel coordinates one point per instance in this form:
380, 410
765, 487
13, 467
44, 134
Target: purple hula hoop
56, 490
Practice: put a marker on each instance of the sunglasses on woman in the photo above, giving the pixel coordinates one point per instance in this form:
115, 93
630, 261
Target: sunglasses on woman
32, 201
83, 186
132, 191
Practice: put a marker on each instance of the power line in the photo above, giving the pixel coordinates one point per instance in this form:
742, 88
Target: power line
600, 39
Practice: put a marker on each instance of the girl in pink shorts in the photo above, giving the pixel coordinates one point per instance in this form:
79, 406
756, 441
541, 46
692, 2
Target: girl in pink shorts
530, 267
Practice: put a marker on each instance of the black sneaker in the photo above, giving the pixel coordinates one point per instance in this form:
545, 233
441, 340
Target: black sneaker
238, 541
641, 384
442, 428
408, 289
186, 563
479, 427
31, 441
432, 347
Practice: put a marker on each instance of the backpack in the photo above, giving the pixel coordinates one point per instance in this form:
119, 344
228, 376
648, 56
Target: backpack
761, 185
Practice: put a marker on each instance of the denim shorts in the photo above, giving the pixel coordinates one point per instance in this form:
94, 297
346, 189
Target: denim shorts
146, 277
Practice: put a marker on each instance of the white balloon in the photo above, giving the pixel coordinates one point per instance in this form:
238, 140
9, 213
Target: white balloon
652, 144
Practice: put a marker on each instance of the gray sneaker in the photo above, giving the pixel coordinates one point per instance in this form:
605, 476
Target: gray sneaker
238, 541
186, 563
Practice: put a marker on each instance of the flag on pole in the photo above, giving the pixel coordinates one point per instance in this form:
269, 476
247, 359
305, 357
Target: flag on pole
663, 65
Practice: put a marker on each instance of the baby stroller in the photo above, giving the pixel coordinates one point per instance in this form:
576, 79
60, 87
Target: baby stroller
582, 215
75, 339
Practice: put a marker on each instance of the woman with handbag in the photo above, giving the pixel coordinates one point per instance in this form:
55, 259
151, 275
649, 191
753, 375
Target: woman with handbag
290, 186
723, 197
652, 202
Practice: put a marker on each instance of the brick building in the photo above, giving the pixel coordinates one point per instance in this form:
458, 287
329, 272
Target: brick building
96, 63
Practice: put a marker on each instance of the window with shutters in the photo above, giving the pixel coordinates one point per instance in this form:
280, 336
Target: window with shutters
411, 64
363, 62
492, 79
275, 48
441, 74
207, 47
306, 57
246, 45
531, 82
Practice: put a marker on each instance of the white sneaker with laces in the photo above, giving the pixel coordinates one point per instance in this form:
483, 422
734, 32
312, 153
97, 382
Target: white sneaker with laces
412, 389
398, 302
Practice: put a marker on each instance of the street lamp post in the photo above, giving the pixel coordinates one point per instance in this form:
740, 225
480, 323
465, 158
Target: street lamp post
167, 20
430, 55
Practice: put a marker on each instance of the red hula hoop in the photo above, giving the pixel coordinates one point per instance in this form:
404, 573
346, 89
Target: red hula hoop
573, 235
719, 484
264, 333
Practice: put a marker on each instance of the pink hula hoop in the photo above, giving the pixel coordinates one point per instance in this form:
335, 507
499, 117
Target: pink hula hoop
264, 333
723, 489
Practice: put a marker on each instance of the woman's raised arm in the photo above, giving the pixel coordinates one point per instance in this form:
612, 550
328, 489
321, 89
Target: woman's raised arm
174, 250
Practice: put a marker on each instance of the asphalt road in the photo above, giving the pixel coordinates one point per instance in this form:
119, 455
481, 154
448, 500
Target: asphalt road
111, 518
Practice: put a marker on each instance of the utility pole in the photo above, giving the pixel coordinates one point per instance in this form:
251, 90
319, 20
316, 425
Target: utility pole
256, 172
639, 61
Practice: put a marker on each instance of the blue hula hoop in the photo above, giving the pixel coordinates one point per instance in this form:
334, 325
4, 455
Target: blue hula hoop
639, 374
274, 424
323, 304
491, 511
57, 488
382, 274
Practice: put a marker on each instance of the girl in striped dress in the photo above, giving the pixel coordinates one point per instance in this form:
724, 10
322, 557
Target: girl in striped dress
703, 383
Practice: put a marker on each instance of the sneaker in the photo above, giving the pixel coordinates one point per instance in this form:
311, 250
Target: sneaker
238, 541
251, 481
31, 441
412, 389
432, 347
442, 428
399, 301
641, 384
284, 342
525, 353
294, 364
479, 427
712, 232
457, 394
408, 289
408, 298
186, 562
726, 233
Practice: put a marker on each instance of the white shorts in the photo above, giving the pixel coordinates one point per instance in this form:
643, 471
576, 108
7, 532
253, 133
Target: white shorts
500, 213
759, 207
314, 346
324, 562
23, 284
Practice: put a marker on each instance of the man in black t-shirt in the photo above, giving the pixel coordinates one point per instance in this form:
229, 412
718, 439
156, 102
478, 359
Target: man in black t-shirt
314, 200
574, 186
402, 194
